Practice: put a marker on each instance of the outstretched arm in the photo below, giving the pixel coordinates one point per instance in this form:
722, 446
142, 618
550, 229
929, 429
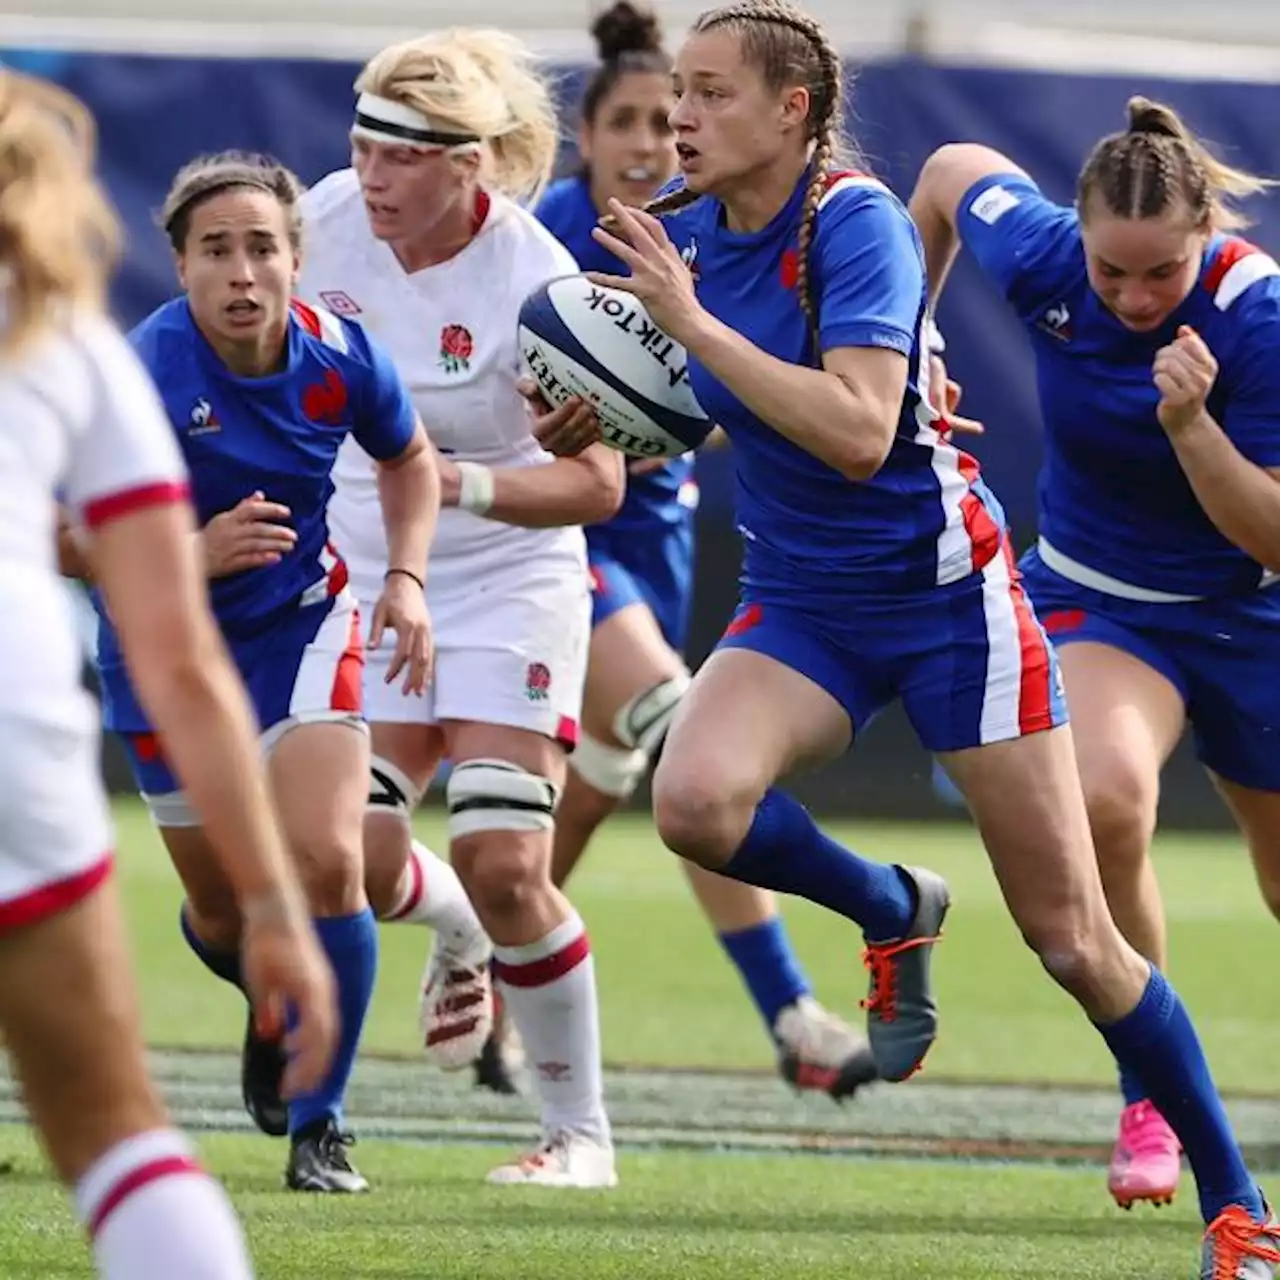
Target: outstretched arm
947, 174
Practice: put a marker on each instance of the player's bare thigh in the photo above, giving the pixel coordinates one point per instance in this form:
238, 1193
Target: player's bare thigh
1257, 814
746, 720
70, 1018
628, 655
319, 774
1026, 797
317, 762
211, 905
1126, 719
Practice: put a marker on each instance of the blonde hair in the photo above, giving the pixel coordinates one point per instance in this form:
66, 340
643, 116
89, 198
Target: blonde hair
480, 83
207, 176
59, 236
1157, 161
789, 47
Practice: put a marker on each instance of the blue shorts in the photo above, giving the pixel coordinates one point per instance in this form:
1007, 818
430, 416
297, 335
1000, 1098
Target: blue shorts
310, 667
969, 660
655, 571
1222, 656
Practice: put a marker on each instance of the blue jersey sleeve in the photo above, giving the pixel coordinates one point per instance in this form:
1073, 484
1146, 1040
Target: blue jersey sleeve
1029, 246
385, 417
1251, 413
868, 270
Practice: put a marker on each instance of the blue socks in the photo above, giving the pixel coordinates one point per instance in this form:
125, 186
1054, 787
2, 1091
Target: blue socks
1131, 1088
222, 964
768, 966
351, 943
1157, 1044
785, 851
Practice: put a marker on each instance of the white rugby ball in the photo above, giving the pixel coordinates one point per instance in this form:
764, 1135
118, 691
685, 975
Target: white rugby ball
579, 339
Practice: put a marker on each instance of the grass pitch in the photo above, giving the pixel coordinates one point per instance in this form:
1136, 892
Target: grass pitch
725, 1172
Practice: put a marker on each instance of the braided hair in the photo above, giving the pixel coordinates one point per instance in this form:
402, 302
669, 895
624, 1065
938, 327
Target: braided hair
788, 47
1157, 162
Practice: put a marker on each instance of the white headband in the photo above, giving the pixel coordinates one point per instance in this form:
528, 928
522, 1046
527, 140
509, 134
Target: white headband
383, 120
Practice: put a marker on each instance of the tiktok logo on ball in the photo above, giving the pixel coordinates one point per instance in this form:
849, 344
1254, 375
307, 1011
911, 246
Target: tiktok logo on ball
633, 320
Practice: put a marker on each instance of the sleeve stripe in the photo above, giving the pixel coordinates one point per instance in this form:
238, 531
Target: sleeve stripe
1241, 275
331, 331
125, 502
844, 182
321, 323
306, 316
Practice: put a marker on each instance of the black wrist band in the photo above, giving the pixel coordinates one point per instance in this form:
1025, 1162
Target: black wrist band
408, 573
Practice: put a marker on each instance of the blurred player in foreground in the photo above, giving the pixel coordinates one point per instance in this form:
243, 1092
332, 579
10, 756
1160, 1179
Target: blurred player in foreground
260, 392
876, 568
80, 418
642, 577
424, 242
1156, 332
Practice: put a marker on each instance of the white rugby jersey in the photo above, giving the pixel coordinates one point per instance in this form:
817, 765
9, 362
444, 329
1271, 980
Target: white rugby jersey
79, 420
451, 330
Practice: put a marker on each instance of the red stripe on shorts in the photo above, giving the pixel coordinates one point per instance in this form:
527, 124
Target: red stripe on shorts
1035, 700
54, 898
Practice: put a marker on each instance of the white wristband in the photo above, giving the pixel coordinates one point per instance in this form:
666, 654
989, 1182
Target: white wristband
935, 343
475, 489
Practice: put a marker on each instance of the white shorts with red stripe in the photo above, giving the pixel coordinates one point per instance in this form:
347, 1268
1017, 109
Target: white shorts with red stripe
511, 649
969, 659
55, 831
308, 670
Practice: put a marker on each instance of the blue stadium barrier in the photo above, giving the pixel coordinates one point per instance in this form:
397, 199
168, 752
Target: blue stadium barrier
156, 113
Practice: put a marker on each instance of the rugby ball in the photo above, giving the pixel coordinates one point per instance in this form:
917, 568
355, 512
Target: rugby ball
578, 339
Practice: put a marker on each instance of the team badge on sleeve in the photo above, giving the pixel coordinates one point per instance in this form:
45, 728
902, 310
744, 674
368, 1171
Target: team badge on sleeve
993, 204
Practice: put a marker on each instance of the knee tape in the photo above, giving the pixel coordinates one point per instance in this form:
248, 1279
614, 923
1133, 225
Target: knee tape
496, 795
613, 771
642, 723
391, 790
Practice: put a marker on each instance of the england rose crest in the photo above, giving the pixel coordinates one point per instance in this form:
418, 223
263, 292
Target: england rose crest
537, 682
456, 346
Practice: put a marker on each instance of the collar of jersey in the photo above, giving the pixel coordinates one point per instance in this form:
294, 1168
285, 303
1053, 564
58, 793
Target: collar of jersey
214, 362
784, 218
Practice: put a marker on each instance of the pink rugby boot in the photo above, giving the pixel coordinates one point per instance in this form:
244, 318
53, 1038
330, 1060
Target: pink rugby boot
1147, 1161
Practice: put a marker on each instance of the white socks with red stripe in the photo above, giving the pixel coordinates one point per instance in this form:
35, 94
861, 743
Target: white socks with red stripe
154, 1214
430, 893
550, 991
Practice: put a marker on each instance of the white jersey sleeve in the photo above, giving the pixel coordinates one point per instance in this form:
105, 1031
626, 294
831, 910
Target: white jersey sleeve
125, 457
